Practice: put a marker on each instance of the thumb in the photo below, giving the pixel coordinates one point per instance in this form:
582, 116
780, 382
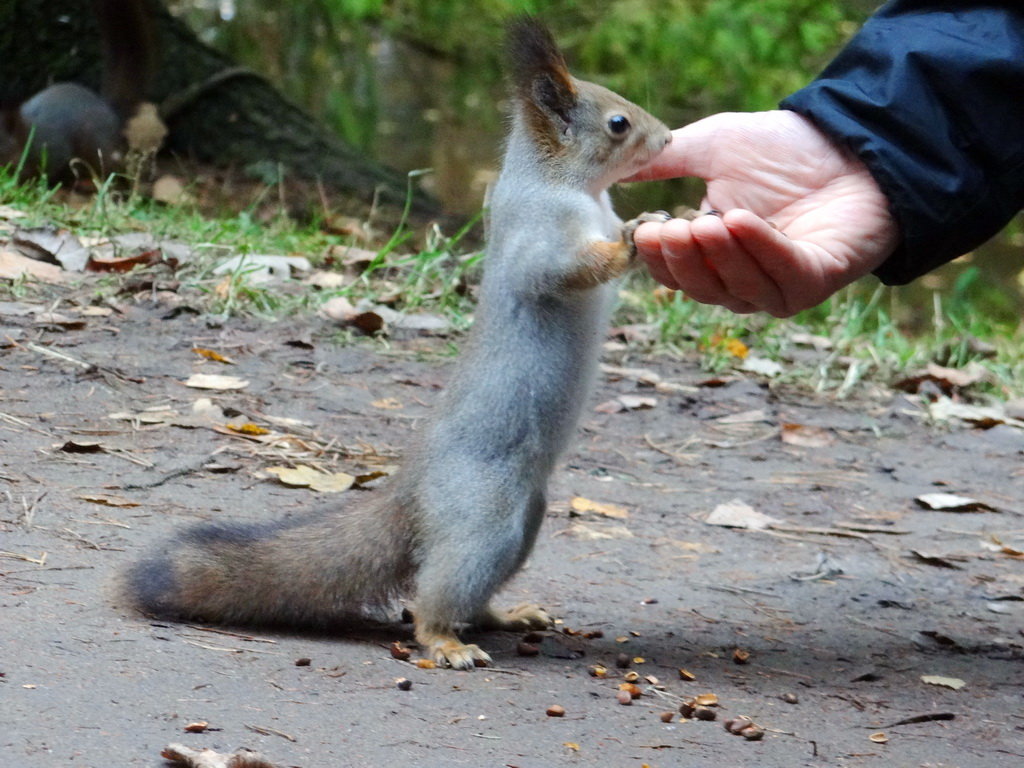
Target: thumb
689, 152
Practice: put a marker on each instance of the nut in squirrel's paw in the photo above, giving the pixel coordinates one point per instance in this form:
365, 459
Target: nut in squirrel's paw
630, 227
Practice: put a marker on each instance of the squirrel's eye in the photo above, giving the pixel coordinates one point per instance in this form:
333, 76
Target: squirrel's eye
618, 125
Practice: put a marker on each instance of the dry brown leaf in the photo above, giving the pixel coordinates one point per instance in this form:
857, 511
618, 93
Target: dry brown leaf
107, 500
806, 437
146, 258
210, 354
304, 476
14, 266
248, 428
582, 506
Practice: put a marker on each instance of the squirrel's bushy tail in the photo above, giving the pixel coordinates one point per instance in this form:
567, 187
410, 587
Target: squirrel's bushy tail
312, 571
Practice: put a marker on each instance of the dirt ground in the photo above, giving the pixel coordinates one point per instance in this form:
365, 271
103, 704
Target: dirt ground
102, 456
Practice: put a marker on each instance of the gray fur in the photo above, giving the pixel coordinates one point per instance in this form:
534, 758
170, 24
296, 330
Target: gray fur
462, 515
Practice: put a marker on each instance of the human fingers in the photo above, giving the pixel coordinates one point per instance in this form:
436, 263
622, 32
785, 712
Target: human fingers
676, 260
739, 270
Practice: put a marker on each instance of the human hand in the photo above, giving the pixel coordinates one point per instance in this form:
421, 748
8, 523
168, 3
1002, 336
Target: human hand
802, 217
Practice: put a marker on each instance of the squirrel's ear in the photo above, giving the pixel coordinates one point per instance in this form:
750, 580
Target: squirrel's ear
538, 69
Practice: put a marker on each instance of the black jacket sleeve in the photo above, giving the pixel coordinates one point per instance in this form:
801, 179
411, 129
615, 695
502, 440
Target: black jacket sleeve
930, 96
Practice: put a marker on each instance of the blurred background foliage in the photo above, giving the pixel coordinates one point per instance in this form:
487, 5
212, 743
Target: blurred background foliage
418, 84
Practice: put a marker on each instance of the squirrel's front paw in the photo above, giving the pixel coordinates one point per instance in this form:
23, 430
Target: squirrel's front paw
630, 227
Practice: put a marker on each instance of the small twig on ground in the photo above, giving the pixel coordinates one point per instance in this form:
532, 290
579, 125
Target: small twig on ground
268, 731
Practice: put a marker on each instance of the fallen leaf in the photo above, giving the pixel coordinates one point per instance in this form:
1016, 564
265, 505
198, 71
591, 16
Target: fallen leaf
739, 514
14, 266
699, 547
146, 258
248, 428
582, 506
744, 417
947, 682
981, 416
215, 381
258, 269
107, 500
321, 278
94, 311
950, 502
304, 476
596, 532
82, 446
53, 245
642, 376
627, 403
939, 561
209, 354
56, 319
762, 366
806, 437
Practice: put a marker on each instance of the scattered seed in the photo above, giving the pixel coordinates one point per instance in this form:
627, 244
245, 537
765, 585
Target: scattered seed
737, 724
639, 660
426, 664
704, 713
597, 670
556, 710
706, 700
790, 698
197, 727
741, 656
631, 677
631, 689
624, 698
398, 651
533, 638
303, 662
687, 707
623, 660
667, 717
403, 683
879, 737
685, 674
752, 732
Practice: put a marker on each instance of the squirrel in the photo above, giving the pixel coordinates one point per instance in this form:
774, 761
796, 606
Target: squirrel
460, 516
67, 122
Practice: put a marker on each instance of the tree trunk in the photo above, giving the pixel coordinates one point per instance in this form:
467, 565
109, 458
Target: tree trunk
216, 112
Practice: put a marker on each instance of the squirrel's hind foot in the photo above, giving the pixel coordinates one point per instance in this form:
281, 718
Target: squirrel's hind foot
525, 616
444, 647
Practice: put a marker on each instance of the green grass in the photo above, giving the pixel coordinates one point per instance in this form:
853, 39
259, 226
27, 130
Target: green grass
866, 341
